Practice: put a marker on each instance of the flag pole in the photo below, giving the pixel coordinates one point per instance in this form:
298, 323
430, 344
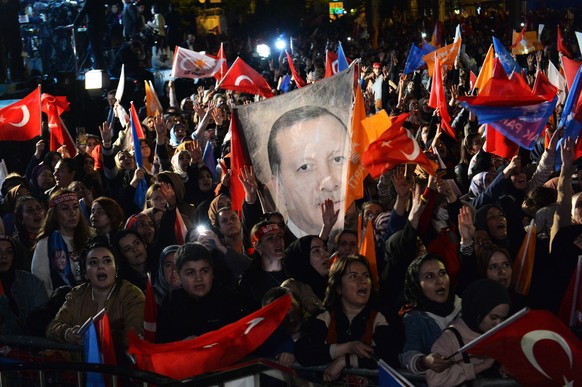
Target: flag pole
575, 295
490, 332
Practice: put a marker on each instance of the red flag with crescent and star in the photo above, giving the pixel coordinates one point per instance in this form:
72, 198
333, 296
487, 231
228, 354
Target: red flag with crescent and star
536, 349
54, 107
242, 77
224, 66
331, 63
192, 64
212, 350
396, 145
21, 120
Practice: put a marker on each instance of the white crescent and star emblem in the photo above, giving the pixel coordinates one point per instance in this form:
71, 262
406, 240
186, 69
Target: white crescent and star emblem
415, 150
25, 116
242, 78
253, 323
335, 66
529, 340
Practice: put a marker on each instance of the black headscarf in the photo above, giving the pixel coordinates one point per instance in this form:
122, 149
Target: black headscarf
479, 299
414, 296
299, 267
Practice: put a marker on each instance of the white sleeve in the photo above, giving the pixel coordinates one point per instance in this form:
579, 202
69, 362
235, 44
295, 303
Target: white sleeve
40, 265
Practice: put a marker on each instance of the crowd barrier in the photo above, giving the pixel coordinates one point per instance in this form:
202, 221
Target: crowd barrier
39, 362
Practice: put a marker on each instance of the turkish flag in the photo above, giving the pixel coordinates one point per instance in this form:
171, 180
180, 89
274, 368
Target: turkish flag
331, 63
396, 145
298, 80
437, 99
150, 314
106, 341
242, 77
239, 157
213, 350
536, 349
224, 66
499, 145
21, 120
192, 64
54, 107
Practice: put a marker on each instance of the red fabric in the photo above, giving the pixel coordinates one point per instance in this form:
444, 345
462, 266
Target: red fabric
298, 80
136, 121
570, 69
566, 306
105, 341
238, 159
150, 314
59, 135
524, 262
472, 80
331, 63
180, 229
537, 350
438, 99
561, 47
395, 146
223, 67
242, 77
500, 145
543, 87
21, 121
213, 350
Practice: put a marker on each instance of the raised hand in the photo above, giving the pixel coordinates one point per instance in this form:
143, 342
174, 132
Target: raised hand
328, 213
249, 181
402, 185
466, 225
106, 134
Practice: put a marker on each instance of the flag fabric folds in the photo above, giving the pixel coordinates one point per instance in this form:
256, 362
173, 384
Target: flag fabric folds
571, 306
150, 313
212, 350
570, 67
360, 140
153, 105
395, 146
486, 70
437, 99
192, 64
298, 80
139, 196
209, 160
558, 80
224, 65
509, 64
536, 349
54, 107
239, 158
525, 42
106, 340
414, 60
447, 56
21, 120
332, 63
242, 77
368, 250
542, 86
561, 48
91, 354
342, 62
524, 262
579, 39
498, 144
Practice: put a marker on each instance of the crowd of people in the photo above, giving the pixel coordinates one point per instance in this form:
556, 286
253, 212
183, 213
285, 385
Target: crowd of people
75, 238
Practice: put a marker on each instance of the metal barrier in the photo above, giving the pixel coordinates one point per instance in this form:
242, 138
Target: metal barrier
39, 362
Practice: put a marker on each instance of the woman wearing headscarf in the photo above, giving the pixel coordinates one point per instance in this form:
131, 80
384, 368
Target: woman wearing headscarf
168, 278
307, 264
485, 304
430, 306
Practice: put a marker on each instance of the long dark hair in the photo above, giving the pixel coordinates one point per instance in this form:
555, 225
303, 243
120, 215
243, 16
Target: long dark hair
338, 269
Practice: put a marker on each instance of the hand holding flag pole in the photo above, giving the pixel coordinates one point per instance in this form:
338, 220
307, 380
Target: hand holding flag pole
490, 332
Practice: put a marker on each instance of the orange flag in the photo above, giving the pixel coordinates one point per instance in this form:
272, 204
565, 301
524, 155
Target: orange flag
368, 250
360, 141
153, 105
437, 99
486, 70
524, 262
150, 314
447, 55
436, 38
525, 42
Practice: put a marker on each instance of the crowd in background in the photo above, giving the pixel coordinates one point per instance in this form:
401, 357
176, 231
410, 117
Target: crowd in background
75, 239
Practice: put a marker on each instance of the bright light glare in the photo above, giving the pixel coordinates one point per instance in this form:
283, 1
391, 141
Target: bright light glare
423, 35
522, 24
280, 44
263, 50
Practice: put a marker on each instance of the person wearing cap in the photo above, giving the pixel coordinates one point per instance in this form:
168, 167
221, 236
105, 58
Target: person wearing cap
266, 270
63, 232
485, 304
22, 291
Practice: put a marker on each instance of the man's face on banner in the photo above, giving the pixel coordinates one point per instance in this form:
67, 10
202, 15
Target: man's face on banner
311, 169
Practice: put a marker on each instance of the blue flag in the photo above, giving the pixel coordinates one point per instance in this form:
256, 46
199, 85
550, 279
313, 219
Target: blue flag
92, 354
521, 124
209, 161
570, 124
509, 64
389, 377
342, 62
414, 60
139, 197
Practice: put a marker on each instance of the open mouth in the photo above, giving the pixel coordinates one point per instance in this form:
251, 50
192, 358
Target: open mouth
441, 291
362, 292
101, 277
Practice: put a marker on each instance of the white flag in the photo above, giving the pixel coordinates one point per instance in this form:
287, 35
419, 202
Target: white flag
192, 64
120, 85
558, 81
